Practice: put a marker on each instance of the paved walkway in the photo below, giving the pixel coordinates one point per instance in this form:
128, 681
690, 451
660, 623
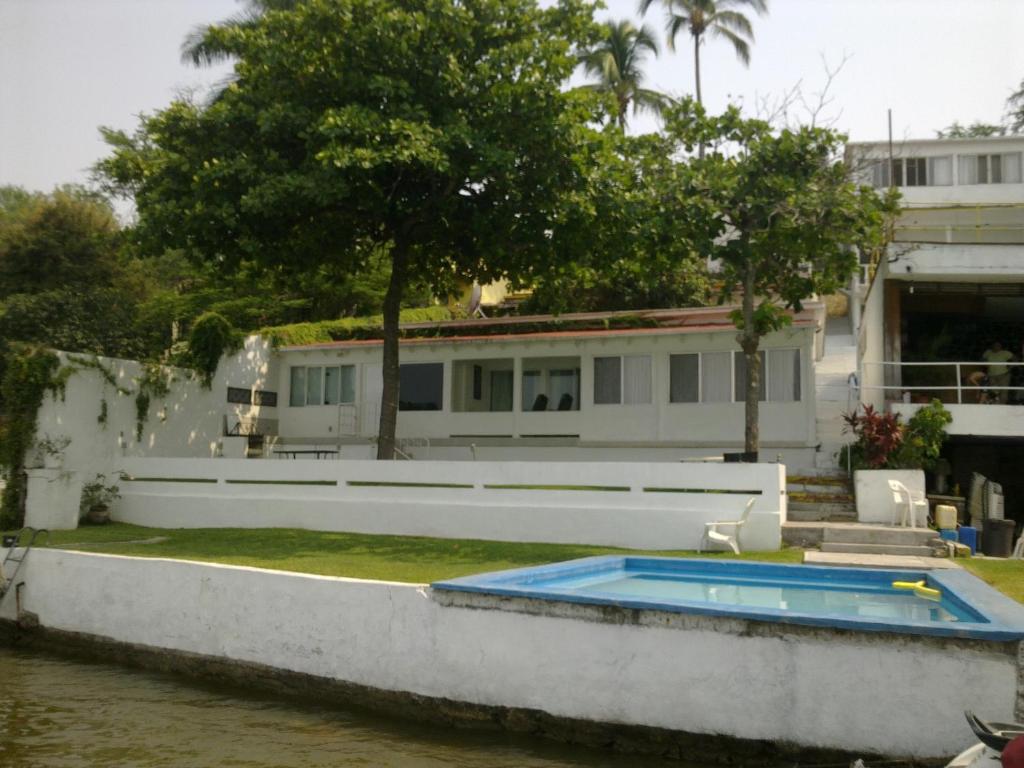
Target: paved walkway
851, 559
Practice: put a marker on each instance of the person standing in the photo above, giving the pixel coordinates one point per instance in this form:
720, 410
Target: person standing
998, 371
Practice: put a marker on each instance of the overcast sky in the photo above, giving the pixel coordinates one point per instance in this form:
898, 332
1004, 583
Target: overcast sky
69, 66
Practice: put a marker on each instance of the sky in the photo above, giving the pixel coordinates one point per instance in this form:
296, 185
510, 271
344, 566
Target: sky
70, 66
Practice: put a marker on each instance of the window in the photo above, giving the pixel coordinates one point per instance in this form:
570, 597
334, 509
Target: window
297, 390
990, 169
339, 385
716, 377
239, 395
783, 375
913, 172
420, 386
501, 390
684, 378
264, 397
622, 380
720, 377
318, 385
551, 384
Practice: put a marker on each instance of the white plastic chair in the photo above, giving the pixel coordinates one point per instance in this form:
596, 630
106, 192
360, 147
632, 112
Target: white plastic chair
1018, 551
711, 532
907, 504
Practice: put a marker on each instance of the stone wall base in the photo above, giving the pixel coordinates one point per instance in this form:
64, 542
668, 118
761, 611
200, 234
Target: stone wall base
678, 745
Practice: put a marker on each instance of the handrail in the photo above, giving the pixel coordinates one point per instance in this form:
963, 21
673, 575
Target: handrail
959, 387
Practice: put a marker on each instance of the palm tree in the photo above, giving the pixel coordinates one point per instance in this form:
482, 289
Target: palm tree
718, 17
199, 51
616, 62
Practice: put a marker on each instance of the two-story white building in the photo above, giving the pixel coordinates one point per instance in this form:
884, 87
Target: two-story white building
951, 286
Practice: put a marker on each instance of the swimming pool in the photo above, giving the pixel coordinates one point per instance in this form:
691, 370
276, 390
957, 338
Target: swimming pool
853, 598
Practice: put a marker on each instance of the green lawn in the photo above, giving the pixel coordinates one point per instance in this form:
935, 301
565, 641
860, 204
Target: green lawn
1005, 575
396, 558
391, 558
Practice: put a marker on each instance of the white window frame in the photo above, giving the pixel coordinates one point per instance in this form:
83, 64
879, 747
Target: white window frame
733, 398
323, 386
622, 380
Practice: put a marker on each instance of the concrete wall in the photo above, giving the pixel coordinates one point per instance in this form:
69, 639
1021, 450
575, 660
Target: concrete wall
410, 498
708, 425
872, 694
874, 497
982, 420
188, 421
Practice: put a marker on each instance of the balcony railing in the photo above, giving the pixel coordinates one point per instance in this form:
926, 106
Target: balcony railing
963, 383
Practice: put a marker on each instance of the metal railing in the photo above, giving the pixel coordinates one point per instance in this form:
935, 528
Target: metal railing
962, 382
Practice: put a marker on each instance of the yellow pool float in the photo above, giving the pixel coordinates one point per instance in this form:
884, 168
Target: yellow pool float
928, 593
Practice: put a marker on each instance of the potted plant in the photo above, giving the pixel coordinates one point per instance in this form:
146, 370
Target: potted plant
96, 499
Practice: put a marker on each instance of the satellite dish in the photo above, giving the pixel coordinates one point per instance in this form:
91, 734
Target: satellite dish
475, 295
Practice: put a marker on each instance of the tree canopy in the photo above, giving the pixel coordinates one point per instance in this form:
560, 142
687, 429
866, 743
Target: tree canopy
435, 132
787, 220
617, 63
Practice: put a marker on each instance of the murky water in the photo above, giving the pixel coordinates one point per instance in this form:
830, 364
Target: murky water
55, 712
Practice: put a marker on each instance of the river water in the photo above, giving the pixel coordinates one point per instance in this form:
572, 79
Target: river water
73, 714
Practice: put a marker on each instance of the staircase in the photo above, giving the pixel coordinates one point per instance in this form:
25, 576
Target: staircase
822, 513
816, 495
882, 540
833, 394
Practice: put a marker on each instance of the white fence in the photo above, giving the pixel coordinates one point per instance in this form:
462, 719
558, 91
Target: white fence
645, 506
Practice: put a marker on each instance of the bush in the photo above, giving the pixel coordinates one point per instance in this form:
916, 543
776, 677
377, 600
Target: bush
882, 442
212, 337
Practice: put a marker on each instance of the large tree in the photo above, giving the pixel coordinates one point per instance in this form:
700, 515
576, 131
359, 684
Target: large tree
436, 132
788, 221
719, 18
617, 63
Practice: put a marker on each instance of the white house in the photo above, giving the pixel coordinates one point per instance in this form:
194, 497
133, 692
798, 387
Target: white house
950, 285
656, 384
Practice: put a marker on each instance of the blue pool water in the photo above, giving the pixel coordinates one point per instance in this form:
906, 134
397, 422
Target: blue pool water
856, 598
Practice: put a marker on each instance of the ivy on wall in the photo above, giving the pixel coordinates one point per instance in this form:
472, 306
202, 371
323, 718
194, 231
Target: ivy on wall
30, 372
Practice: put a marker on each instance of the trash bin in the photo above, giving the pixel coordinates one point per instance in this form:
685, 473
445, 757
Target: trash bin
969, 537
948, 534
997, 538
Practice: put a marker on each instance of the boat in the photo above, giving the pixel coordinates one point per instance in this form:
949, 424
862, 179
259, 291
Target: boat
993, 738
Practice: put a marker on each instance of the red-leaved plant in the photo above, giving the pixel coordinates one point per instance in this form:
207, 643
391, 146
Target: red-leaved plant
878, 435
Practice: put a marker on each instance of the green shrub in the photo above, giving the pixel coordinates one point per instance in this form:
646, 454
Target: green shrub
211, 338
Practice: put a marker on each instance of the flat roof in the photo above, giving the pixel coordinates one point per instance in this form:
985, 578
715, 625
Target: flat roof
647, 322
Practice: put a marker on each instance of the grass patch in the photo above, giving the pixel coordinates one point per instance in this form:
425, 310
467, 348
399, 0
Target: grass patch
281, 482
655, 489
1005, 575
528, 487
389, 484
392, 558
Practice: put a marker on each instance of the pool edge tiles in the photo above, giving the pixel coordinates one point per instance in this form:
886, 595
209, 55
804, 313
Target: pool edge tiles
1000, 618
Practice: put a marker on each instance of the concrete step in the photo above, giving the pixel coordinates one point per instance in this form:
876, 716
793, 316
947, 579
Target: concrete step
801, 472
807, 513
824, 486
859, 533
878, 549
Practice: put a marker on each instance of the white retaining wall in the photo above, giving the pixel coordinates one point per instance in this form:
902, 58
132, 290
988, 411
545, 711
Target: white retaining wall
854, 691
875, 502
390, 497
187, 421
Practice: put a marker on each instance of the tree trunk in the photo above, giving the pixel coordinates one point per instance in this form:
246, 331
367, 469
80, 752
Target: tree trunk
696, 69
389, 394
749, 342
